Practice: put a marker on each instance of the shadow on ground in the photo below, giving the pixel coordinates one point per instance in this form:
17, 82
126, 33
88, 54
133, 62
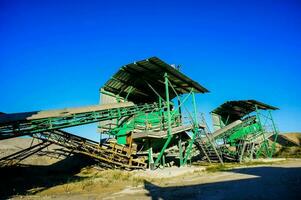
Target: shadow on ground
269, 183
29, 179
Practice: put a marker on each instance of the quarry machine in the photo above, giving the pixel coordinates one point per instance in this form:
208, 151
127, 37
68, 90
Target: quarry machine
143, 108
148, 116
46, 126
165, 135
243, 128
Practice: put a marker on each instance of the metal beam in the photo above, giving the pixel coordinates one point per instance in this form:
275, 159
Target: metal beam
169, 135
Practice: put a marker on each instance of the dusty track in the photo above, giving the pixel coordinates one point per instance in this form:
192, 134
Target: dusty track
278, 181
268, 181
64, 179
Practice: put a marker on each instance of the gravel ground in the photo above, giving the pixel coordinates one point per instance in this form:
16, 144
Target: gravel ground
276, 181
268, 181
279, 181
168, 172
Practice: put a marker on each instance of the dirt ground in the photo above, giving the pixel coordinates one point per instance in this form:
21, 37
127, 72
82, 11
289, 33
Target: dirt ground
52, 174
277, 181
294, 137
281, 180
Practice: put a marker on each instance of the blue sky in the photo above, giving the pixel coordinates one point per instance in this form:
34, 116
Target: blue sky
56, 54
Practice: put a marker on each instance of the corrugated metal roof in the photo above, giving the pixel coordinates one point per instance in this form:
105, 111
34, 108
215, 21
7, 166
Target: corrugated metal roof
135, 78
238, 109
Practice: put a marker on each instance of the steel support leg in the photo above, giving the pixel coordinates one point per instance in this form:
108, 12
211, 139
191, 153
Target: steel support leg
150, 157
194, 133
242, 151
180, 151
168, 121
276, 135
252, 151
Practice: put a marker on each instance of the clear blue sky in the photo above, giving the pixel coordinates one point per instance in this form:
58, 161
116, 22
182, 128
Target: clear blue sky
56, 54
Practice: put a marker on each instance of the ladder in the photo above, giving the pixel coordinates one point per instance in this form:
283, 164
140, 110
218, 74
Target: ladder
208, 144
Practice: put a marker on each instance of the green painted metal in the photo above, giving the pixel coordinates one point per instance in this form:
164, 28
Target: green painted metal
276, 134
243, 147
211, 144
150, 156
129, 92
244, 131
163, 115
40, 125
53, 123
160, 83
194, 132
250, 136
156, 120
265, 143
168, 121
180, 151
252, 151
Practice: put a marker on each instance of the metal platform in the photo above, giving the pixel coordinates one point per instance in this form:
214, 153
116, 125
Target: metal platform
161, 134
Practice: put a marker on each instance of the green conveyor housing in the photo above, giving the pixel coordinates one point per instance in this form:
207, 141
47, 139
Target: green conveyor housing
154, 121
241, 123
148, 81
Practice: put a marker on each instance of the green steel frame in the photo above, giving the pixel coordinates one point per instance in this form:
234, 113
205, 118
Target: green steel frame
254, 130
267, 126
167, 116
164, 109
169, 136
14, 129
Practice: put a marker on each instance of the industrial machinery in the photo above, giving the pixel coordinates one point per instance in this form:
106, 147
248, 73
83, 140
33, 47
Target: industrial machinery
47, 125
141, 107
243, 128
148, 110
153, 81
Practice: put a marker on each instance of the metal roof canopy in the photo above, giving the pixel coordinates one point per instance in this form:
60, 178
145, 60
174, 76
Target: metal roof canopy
238, 109
137, 79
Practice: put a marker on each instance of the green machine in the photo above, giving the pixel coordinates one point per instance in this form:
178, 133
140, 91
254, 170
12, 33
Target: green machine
147, 107
148, 111
170, 127
243, 129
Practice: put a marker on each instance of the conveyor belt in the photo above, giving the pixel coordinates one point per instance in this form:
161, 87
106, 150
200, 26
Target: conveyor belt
223, 130
15, 125
110, 154
17, 157
66, 112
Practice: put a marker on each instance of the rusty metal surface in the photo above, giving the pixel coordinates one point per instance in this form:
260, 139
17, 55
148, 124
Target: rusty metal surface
109, 155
